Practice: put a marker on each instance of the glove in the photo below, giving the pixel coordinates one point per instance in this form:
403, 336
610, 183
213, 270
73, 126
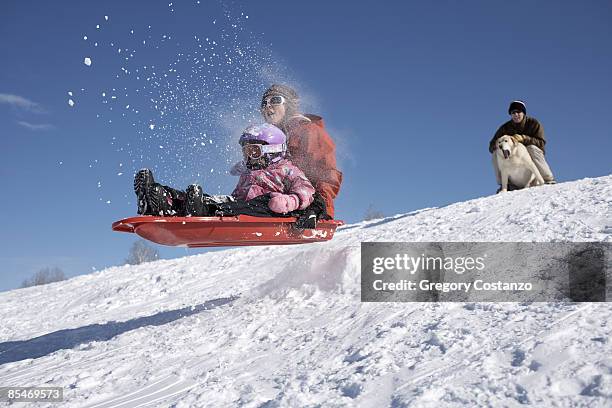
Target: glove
519, 138
283, 203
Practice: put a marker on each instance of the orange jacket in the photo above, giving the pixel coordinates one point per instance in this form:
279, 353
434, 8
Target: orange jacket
314, 152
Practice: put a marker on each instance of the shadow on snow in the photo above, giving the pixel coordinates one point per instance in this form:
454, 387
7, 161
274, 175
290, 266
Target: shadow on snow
12, 351
390, 219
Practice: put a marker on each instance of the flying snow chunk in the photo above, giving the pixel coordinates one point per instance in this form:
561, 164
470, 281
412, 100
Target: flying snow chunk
151, 126
119, 174
106, 18
87, 61
69, 93
70, 102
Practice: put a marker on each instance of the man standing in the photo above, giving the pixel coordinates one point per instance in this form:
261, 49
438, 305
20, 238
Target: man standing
310, 147
528, 131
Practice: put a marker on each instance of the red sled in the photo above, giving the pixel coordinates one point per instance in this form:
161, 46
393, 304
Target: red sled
241, 230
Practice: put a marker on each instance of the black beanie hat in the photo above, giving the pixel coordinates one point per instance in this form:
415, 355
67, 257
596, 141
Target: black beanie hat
517, 105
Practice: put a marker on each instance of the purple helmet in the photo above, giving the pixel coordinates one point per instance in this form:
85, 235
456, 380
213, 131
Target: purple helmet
265, 132
273, 137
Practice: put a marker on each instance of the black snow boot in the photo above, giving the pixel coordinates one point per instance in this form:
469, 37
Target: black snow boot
153, 198
194, 202
143, 180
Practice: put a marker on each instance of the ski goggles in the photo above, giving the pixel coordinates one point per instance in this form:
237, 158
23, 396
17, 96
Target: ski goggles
273, 101
256, 151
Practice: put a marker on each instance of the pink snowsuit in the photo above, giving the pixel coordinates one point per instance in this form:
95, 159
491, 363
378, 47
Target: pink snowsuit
280, 177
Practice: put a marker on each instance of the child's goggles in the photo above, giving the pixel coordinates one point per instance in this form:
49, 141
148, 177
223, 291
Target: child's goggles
256, 151
273, 101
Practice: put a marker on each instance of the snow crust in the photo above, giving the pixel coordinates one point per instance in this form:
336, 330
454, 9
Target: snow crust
284, 326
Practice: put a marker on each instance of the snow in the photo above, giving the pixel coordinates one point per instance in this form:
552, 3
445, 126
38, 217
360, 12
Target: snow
232, 62
70, 102
284, 326
87, 61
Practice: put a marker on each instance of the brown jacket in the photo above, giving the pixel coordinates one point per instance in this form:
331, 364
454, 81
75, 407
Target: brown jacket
314, 152
530, 128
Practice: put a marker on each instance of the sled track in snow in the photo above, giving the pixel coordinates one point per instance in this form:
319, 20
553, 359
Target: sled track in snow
20, 375
159, 390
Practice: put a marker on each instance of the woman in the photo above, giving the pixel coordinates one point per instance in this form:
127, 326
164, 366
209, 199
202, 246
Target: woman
310, 146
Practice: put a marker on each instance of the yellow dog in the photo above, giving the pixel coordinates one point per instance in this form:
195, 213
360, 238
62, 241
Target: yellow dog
515, 164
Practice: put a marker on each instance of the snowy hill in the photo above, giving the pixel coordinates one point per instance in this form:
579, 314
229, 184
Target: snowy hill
284, 326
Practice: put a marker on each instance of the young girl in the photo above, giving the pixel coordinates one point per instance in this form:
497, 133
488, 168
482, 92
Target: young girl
269, 184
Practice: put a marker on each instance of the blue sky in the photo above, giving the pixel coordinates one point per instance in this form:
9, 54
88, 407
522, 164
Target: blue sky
411, 91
